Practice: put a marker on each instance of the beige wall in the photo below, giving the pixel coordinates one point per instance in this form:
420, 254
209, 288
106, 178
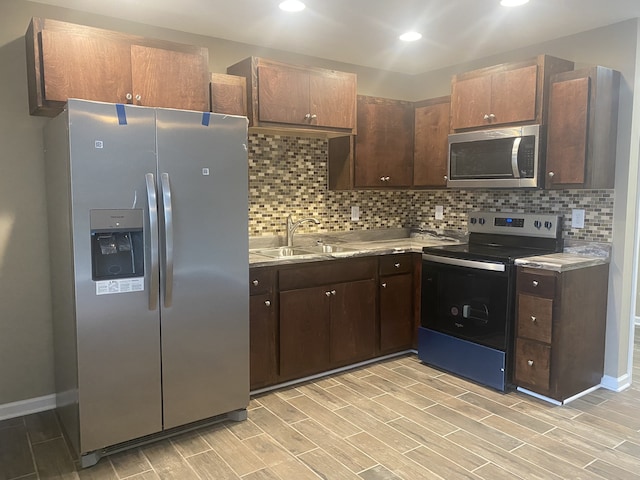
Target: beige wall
25, 320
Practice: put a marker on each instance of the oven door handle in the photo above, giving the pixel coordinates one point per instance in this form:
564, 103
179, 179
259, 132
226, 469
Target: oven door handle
460, 262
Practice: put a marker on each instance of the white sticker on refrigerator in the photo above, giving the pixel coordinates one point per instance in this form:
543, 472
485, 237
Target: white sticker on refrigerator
122, 285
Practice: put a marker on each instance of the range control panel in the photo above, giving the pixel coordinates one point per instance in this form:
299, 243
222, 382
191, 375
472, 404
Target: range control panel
510, 223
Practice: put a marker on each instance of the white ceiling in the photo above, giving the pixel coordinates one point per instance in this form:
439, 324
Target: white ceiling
365, 32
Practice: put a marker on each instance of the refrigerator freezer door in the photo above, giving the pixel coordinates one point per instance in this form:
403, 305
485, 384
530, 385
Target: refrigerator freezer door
205, 329
118, 334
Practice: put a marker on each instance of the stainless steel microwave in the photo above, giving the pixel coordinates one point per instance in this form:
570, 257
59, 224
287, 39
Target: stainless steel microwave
500, 158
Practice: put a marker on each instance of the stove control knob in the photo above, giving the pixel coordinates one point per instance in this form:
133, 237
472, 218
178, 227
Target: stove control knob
473, 220
537, 224
548, 225
481, 221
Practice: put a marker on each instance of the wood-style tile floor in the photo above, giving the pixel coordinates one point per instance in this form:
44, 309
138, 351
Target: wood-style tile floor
396, 419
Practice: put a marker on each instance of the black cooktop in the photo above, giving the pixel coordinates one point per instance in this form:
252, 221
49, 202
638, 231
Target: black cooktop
495, 253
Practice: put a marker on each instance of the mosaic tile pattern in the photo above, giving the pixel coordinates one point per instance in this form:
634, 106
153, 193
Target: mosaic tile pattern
288, 175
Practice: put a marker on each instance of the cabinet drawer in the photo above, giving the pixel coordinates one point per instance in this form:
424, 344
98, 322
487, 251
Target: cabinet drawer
532, 364
392, 264
260, 280
535, 317
536, 283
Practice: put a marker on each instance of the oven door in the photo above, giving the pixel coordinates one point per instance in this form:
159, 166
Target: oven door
468, 299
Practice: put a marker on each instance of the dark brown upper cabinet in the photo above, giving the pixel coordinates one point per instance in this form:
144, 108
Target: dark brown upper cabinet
288, 96
431, 143
384, 144
510, 93
65, 61
582, 129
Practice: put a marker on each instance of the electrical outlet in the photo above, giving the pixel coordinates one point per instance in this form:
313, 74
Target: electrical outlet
577, 218
355, 213
439, 212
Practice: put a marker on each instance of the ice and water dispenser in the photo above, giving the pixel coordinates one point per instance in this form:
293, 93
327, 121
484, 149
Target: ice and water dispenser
117, 244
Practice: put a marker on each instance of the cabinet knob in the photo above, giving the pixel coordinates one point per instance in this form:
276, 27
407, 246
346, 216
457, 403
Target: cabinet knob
267, 303
486, 116
384, 285
333, 292
128, 96
314, 116
397, 265
492, 116
255, 283
534, 283
327, 293
530, 363
446, 178
138, 98
307, 116
551, 174
533, 319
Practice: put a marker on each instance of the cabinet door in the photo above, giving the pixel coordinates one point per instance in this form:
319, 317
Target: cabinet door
283, 95
396, 312
567, 133
332, 99
470, 102
79, 66
304, 331
513, 96
262, 341
384, 144
170, 79
228, 94
353, 322
431, 145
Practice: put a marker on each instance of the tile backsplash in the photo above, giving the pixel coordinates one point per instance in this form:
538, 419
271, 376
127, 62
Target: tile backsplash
288, 175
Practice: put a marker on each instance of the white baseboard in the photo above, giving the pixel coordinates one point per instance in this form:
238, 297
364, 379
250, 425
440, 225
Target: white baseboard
26, 407
616, 384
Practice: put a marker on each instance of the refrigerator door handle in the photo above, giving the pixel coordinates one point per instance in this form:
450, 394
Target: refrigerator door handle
168, 239
153, 234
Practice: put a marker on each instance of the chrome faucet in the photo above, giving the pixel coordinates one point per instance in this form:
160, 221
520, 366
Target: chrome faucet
293, 226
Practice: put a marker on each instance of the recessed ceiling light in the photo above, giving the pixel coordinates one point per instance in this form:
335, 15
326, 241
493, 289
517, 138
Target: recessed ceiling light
292, 6
513, 3
410, 36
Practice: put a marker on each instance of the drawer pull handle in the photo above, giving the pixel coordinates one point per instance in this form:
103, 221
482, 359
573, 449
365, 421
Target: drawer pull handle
255, 283
530, 363
397, 265
535, 283
533, 319
267, 303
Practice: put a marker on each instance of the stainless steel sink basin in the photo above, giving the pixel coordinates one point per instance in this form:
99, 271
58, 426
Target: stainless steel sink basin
329, 248
280, 252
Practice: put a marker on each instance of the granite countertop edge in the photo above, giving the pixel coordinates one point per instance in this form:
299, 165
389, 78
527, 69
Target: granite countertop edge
576, 254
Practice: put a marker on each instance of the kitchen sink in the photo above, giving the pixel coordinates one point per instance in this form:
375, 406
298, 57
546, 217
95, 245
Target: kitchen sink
329, 248
281, 252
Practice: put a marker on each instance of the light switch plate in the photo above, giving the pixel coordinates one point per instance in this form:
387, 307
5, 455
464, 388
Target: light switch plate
577, 218
355, 212
439, 212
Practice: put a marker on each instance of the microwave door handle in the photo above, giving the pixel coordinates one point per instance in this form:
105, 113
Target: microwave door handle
514, 157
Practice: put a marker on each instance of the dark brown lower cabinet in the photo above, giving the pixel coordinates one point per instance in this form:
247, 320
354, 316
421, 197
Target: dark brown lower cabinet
353, 322
396, 312
560, 329
263, 328
304, 331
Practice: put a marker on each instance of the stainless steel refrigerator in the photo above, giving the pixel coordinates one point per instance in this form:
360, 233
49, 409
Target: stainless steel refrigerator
148, 212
